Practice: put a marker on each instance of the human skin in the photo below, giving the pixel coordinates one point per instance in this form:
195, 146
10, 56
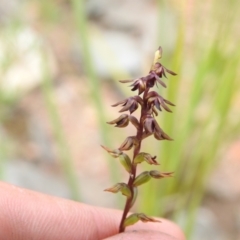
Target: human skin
31, 215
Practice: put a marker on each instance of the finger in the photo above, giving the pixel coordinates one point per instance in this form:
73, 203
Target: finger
30, 215
142, 235
165, 227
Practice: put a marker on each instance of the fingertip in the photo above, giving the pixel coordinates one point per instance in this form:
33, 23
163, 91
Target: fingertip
165, 226
142, 235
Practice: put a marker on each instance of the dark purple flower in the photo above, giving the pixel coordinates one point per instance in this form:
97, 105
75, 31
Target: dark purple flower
156, 73
159, 69
155, 100
151, 127
140, 85
130, 104
121, 121
128, 143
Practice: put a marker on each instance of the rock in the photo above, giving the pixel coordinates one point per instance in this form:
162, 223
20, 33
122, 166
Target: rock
23, 49
206, 226
224, 182
115, 52
8, 9
33, 176
122, 42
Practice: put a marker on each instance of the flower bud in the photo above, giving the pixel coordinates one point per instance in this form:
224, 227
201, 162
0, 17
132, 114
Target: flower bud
127, 144
130, 104
156, 174
139, 84
145, 157
126, 191
114, 153
134, 121
126, 162
159, 80
121, 121
141, 179
154, 111
133, 218
150, 160
160, 135
144, 218
149, 124
122, 187
124, 158
139, 158
158, 53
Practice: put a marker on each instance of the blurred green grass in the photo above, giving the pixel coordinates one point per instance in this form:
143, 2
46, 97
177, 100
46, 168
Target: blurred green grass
206, 57
213, 68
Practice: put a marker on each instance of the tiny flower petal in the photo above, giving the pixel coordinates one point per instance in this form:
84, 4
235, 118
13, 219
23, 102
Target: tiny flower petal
123, 157
159, 80
135, 217
134, 121
160, 135
114, 153
168, 102
138, 99
166, 107
127, 144
145, 218
121, 121
166, 137
126, 81
154, 99
139, 84
149, 159
145, 157
130, 104
149, 124
116, 188
158, 68
122, 187
157, 55
156, 174
154, 111
171, 72
150, 80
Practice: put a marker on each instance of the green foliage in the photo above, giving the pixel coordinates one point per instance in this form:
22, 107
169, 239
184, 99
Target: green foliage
204, 93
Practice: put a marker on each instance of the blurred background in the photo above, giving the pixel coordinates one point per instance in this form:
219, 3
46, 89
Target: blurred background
60, 62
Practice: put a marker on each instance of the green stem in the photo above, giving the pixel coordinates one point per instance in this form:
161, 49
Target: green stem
137, 148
